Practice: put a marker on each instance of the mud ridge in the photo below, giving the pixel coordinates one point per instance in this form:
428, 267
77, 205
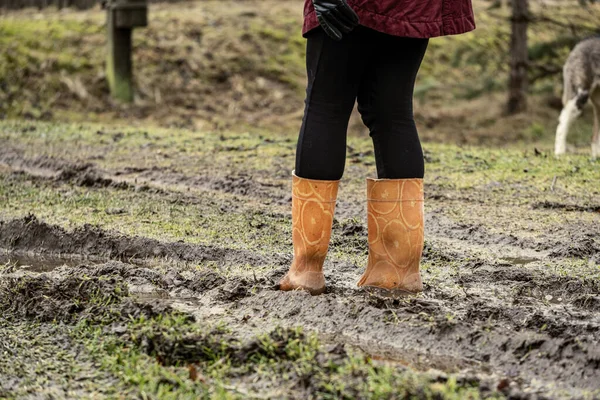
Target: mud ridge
82, 291
197, 282
217, 343
585, 245
30, 234
549, 205
148, 281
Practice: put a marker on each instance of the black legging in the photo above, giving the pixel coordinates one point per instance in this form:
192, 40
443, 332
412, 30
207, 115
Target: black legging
379, 71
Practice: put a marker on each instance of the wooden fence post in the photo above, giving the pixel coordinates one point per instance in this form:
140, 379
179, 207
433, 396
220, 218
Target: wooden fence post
122, 17
517, 85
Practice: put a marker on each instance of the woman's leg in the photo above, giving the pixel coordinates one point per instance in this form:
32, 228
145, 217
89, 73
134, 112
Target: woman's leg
385, 102
395, 201
333, 79
334, 72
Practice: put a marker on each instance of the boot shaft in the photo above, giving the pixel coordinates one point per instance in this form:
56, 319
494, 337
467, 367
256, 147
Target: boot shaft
313, 207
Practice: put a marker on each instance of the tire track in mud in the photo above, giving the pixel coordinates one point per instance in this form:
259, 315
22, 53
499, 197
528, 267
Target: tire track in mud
88, 175
236, 184
560, 242
566, 242
51, 168
28, 234
549, 205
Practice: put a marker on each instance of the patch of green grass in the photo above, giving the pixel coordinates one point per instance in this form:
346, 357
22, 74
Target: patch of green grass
43, 51
144, 214
469, 167
40, 360
179, 150
284, 361
186, 151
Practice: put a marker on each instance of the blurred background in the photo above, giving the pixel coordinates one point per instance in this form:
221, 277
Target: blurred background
239, 65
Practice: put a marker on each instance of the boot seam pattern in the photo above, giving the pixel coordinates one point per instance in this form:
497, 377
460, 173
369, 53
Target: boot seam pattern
394, 201
315, 200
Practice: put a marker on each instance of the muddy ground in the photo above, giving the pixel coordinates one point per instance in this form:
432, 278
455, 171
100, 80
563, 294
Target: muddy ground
144, 263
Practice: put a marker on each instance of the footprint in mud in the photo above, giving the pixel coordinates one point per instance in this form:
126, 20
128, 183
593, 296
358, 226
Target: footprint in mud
520, 260
579, 247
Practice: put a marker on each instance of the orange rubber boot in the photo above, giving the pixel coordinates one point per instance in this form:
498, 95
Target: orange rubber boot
395, 223
313, 205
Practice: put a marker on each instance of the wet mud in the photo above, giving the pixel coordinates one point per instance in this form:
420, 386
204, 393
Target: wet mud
494, 322
100, 295
237, 184
511, 312
548, 205
508, 323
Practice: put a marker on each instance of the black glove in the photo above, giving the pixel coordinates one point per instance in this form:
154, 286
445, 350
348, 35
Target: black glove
335, 17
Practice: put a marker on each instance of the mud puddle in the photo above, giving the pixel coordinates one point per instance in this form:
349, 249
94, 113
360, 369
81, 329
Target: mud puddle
47, 263
520, 260
502, 252
37, 263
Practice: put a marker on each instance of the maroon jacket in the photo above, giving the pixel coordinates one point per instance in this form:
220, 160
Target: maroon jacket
409, 18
